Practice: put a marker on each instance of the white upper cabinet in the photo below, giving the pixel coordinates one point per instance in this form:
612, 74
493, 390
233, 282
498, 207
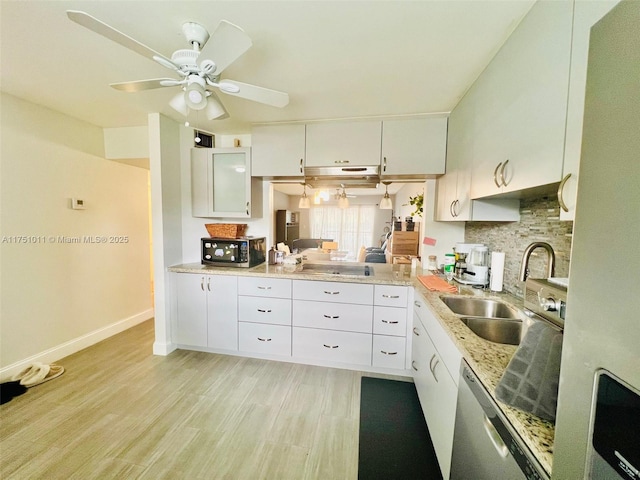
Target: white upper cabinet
278, 151
453, 202
221, 184
521, 105
343, 144
414, 147
585, 15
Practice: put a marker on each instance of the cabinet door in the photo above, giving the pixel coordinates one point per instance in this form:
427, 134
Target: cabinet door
585, 15
222, 311
437, 393
191, 303
522, 104
414, 147
221, 183
343, 144
278, 151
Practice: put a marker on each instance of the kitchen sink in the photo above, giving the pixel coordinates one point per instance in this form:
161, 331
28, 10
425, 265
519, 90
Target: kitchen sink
338, 269
480, 307
498, 330
489, 319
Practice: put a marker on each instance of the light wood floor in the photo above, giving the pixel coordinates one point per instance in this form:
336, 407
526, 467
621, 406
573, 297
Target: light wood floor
120, 412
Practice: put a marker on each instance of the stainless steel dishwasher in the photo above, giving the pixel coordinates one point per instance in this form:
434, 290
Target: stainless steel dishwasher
485, 446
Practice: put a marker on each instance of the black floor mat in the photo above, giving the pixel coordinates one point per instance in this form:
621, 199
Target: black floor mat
394, 440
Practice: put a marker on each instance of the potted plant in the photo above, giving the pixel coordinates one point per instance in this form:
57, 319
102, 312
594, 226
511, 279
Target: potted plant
416, 202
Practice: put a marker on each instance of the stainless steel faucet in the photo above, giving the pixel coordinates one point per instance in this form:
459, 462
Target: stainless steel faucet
524, 267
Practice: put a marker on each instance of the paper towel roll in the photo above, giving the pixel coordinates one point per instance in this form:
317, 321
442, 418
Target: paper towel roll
497, 271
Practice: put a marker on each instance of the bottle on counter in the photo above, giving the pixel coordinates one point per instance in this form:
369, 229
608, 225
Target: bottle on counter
271, 257
432, 265
449, 265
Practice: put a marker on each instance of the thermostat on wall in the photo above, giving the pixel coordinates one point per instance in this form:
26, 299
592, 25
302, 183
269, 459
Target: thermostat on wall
77, 204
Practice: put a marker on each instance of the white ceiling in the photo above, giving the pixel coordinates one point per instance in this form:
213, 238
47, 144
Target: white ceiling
336, 59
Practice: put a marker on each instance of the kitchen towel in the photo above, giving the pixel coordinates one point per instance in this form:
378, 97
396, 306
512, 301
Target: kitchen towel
497, 271
530, 382
436, 284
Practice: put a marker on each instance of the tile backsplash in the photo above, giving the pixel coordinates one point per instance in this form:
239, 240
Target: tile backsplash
539, 222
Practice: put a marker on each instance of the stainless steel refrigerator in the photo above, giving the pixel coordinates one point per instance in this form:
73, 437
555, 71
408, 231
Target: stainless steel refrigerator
597, 431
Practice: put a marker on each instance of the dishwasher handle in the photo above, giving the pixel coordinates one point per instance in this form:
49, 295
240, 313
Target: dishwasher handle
495, 437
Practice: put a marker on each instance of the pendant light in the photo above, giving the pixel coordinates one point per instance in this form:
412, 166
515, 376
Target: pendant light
304, 200
385, 203
343, 201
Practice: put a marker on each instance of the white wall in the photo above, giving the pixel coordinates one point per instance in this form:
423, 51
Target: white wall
60, 297
446, 234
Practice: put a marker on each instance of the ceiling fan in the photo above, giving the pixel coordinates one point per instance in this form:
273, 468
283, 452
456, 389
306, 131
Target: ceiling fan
198, 68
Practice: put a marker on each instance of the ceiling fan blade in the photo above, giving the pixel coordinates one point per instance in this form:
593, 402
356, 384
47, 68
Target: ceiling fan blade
225, 46
140, 85
215, 109
107, 31
255, 93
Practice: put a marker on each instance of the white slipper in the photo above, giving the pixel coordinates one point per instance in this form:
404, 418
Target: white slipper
38, 373
53, 372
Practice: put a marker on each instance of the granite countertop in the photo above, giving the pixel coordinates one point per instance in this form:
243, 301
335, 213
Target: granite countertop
383, 273
487, 359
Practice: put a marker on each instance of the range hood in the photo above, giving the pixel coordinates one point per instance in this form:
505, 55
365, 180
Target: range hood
348, 177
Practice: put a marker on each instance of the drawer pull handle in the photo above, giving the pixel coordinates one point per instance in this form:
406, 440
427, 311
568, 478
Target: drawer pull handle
264, 288
417, 304
261, 310
331, 316
495, 175
209, 284
330, 346
384, 295
388, 353
433, 368
415, 332
202, 284
264, 339
391, 322
331, 293
413, 365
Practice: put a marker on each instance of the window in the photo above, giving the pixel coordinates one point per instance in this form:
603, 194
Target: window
351, 227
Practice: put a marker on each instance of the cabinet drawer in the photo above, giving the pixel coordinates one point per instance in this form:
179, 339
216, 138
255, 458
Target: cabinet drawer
390, 321
388, 352
390, 295
264, 310
262, 338
264, 287
332, 346
336, 292
333, 316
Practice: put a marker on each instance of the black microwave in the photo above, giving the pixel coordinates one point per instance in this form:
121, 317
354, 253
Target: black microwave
233, 252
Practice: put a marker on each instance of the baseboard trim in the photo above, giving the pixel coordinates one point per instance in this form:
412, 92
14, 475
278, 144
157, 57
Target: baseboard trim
72, 346
163, 349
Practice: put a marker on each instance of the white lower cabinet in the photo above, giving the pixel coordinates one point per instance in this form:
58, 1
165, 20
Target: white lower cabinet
332, 346
207, 311
434, 382
264, 338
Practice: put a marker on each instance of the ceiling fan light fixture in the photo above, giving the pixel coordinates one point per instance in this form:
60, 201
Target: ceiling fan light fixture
195, 96
343, 201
